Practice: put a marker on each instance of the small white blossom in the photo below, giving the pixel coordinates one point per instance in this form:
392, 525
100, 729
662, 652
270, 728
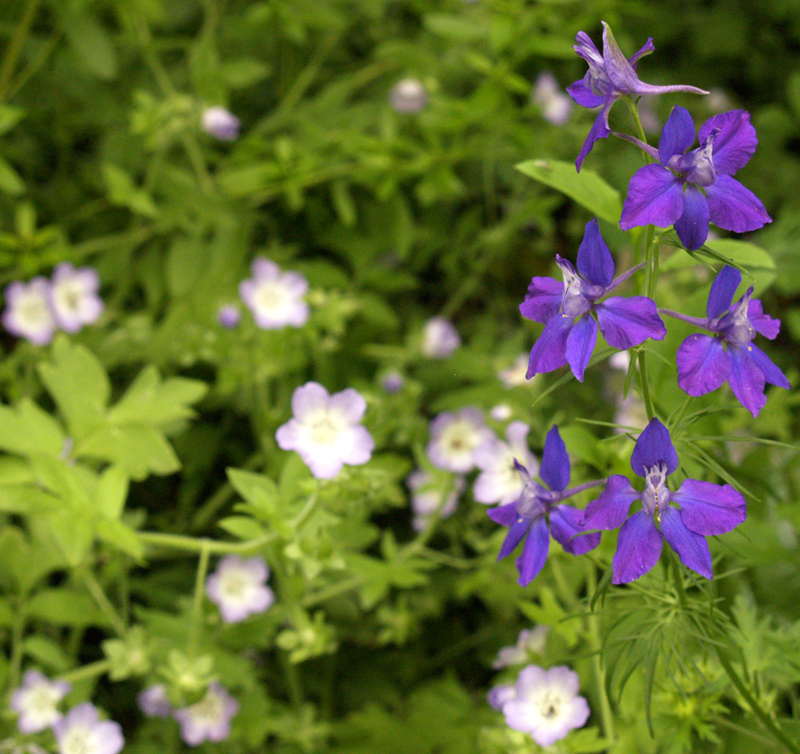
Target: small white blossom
427, 497
439, 338
73, 297
529, 641
501, 412
36, 701
408, 96
546, 704
238, 588
220, 123
555, 105
275, 298
325, 430
454, 439
82, 732
209, 719
28, 313
514, 376
499, 480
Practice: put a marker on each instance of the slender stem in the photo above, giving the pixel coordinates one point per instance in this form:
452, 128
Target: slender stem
15, 661
606, 716
192, 544
87, 671
15, 47
197, 604
758, 711
99, 596
644, 382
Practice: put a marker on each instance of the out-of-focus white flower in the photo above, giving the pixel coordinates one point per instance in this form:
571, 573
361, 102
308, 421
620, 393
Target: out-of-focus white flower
36, 701
621, 360
325, 430
499, 480
153, 701
499, 695
529, 641
514, 376
408, 96
82, 732
209, 719
220, 123
428, 497
439, 338
454, 439
73, 296
238, 587
555, 105
501, 412
28, 313
275, 298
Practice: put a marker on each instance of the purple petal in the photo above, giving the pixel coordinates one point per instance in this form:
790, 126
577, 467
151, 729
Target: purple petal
505, 515
534, 552
555, 469
580, 344
720, 296
514, 536
692, 548
747, 380
627, 322
618, 68
654, 196
350, 405
654, 445
735, 143
610, 510
692, 225
565, 527
646, 49
582, 93
771, 372
703, 364
763, 323
595, 262
708, 508
542, 300
309, 401
599, 130
549, 351
587, 50
735, 207
638, 548
677, 136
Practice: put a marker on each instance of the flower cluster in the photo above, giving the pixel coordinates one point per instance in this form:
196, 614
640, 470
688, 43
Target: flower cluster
69, 301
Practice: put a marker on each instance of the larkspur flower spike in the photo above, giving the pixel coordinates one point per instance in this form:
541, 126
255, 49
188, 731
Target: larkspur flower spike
565, 308
610, 77
705, 509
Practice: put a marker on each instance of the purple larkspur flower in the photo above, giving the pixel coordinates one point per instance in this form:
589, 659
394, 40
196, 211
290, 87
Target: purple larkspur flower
153, 701
28, 313
73, 296
707, 361
439, 338
689, 189
705, 509
275, 298
565, 309
325, 430
36, 701
549, 96
544, 703
455, 436
220, 123
538, 512
610, 77
499, 480
210, 718
82, 732
238, 587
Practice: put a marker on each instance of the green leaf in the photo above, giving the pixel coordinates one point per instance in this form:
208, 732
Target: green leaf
10, 182
29, 429
47, 652
9, 117
454, 27
243, 527
73, 534
137, 449
587, 188
124, 192
243, 72
118, 534
260, 491
27, 499
65, 608
112, 492
89, 39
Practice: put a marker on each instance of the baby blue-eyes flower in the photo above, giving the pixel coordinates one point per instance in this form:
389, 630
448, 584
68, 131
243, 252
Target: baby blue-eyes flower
538, 512
707, 361
565, 309
689, 189
611, 76
705, 509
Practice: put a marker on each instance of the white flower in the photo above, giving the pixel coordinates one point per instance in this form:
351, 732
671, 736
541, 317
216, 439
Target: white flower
529, 640
499, 695
210, 718
501, 412
620, 360
82, 732
439, 338
28, 313
408, 96
499, 480
275, 298
428, 497
546, 704
454, 438
73, 297
36, 701
237, 587
555, 105
325, 430
514, 376
220, 123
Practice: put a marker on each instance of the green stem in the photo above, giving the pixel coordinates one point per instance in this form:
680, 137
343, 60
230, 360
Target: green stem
15, 661
606, 715
192, 544
758, 711
15, 47
92, 670
99, 596
644, 382
197, 604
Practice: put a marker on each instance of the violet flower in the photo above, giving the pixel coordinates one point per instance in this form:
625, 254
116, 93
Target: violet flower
28, 313
36, 701
275, 298
82, 732
570, 332
73, 296
210, 718
238, 588
220, 123
707, 361
610, 77
705, 509
689, 189
538, 512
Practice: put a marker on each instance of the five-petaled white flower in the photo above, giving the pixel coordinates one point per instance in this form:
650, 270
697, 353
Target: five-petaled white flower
275, 298
82, 732
73, 296
28, 313
210, 718
36, 701
439, 338
499, 480
237, 587
454, 439
325, 430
